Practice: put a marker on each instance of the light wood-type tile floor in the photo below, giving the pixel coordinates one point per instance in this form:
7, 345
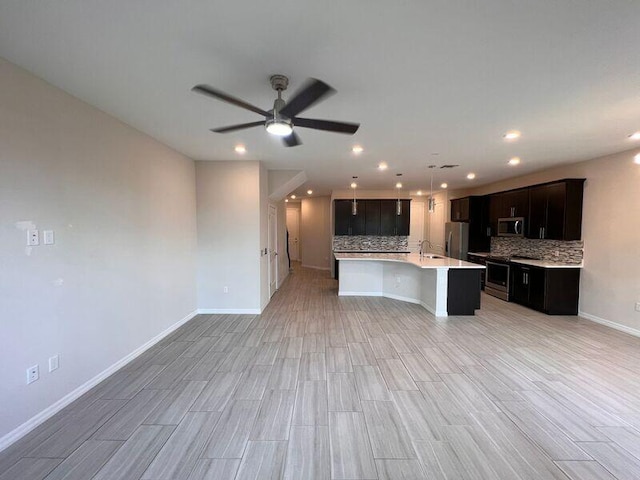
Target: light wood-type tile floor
323, 387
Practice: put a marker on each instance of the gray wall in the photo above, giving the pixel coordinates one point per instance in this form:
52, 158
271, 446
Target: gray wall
122, 270
230, 236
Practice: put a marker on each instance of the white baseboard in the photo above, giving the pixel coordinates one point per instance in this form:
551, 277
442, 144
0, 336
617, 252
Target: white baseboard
360, 294
19, 432
316, 268
623, 328
403, 299
230, 310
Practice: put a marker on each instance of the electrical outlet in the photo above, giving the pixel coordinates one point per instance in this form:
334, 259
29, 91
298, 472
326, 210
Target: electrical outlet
33, 238
54, 363
225, 289
637, 306
557, 253
33, 374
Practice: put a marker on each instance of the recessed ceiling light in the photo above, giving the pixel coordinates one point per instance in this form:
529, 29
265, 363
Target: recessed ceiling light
354, 184
240, 149
357, 149
286, 200
309, 192
293, 196
512, 135
635, 136
398, 185
514, 161
383, 166
443, 185
419, 192
636, 159
471, 176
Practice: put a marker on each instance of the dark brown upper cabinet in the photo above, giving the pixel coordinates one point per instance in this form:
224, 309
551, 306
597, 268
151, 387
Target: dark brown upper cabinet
373, 217
474, 210
555, 210
460, 210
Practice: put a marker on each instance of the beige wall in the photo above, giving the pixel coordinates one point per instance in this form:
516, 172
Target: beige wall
315, 232
122, 269
229, 236
610, 281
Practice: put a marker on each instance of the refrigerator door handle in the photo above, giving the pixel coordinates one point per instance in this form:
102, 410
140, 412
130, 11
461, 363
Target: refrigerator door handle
447, 247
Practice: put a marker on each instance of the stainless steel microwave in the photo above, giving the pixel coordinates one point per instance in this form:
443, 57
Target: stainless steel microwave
511, 227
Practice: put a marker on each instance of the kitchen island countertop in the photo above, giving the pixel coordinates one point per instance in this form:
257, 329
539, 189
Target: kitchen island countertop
441, 262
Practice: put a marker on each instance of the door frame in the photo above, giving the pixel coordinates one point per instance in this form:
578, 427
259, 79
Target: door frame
272, 248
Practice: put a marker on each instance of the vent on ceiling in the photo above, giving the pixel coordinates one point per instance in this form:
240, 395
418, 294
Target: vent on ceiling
449, 166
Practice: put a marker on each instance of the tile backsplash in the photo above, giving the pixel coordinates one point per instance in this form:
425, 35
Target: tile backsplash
567, 252
371, 243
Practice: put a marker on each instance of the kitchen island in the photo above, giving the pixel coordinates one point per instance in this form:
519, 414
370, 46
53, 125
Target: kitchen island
444, 286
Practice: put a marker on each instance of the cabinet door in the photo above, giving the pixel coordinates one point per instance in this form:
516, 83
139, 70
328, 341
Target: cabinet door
358, 220
479, 231
515, 203
455, 210
495, 212
460, 210
372, 217
342, 215
402, 220
387, 217
537, 288
537, 211
556, 202
520, 284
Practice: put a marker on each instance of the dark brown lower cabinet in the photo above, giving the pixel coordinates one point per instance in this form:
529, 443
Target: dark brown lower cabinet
463, 291
554, 291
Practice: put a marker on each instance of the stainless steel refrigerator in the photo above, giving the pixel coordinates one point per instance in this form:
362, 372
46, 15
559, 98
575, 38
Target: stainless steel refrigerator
456, 236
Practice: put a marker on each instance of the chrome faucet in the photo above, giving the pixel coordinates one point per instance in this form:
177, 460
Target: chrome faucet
422, 252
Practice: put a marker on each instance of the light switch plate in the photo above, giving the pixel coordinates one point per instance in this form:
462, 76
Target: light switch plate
54, 363
49, 237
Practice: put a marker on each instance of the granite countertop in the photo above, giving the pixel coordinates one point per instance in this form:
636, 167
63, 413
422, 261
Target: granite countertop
410, 258
370, 251
534, 263
546, 263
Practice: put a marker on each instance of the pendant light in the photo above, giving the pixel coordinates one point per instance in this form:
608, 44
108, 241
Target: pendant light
398, 202
354, 205
432, 201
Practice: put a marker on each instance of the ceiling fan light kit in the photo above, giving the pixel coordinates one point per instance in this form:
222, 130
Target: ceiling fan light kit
282, 119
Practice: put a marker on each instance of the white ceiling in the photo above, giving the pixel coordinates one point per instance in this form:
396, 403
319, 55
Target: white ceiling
446, 77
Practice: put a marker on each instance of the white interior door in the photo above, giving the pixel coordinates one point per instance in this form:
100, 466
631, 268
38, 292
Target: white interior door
293, 225
416, 226
273, 250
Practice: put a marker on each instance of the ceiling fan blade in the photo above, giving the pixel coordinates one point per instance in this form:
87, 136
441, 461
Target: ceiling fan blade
330, 126
312, 92
212, 92
240, 126
292, 140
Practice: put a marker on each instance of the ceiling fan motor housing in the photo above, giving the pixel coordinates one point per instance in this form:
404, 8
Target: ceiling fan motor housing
279, 82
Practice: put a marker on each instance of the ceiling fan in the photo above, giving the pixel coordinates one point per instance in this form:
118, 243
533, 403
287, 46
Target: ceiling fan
282, 118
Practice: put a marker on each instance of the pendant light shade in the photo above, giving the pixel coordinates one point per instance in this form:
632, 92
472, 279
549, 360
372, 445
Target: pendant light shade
431, 203
354, 205
398, 202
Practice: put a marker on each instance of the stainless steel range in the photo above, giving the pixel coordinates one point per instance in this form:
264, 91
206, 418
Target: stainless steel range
498, 275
